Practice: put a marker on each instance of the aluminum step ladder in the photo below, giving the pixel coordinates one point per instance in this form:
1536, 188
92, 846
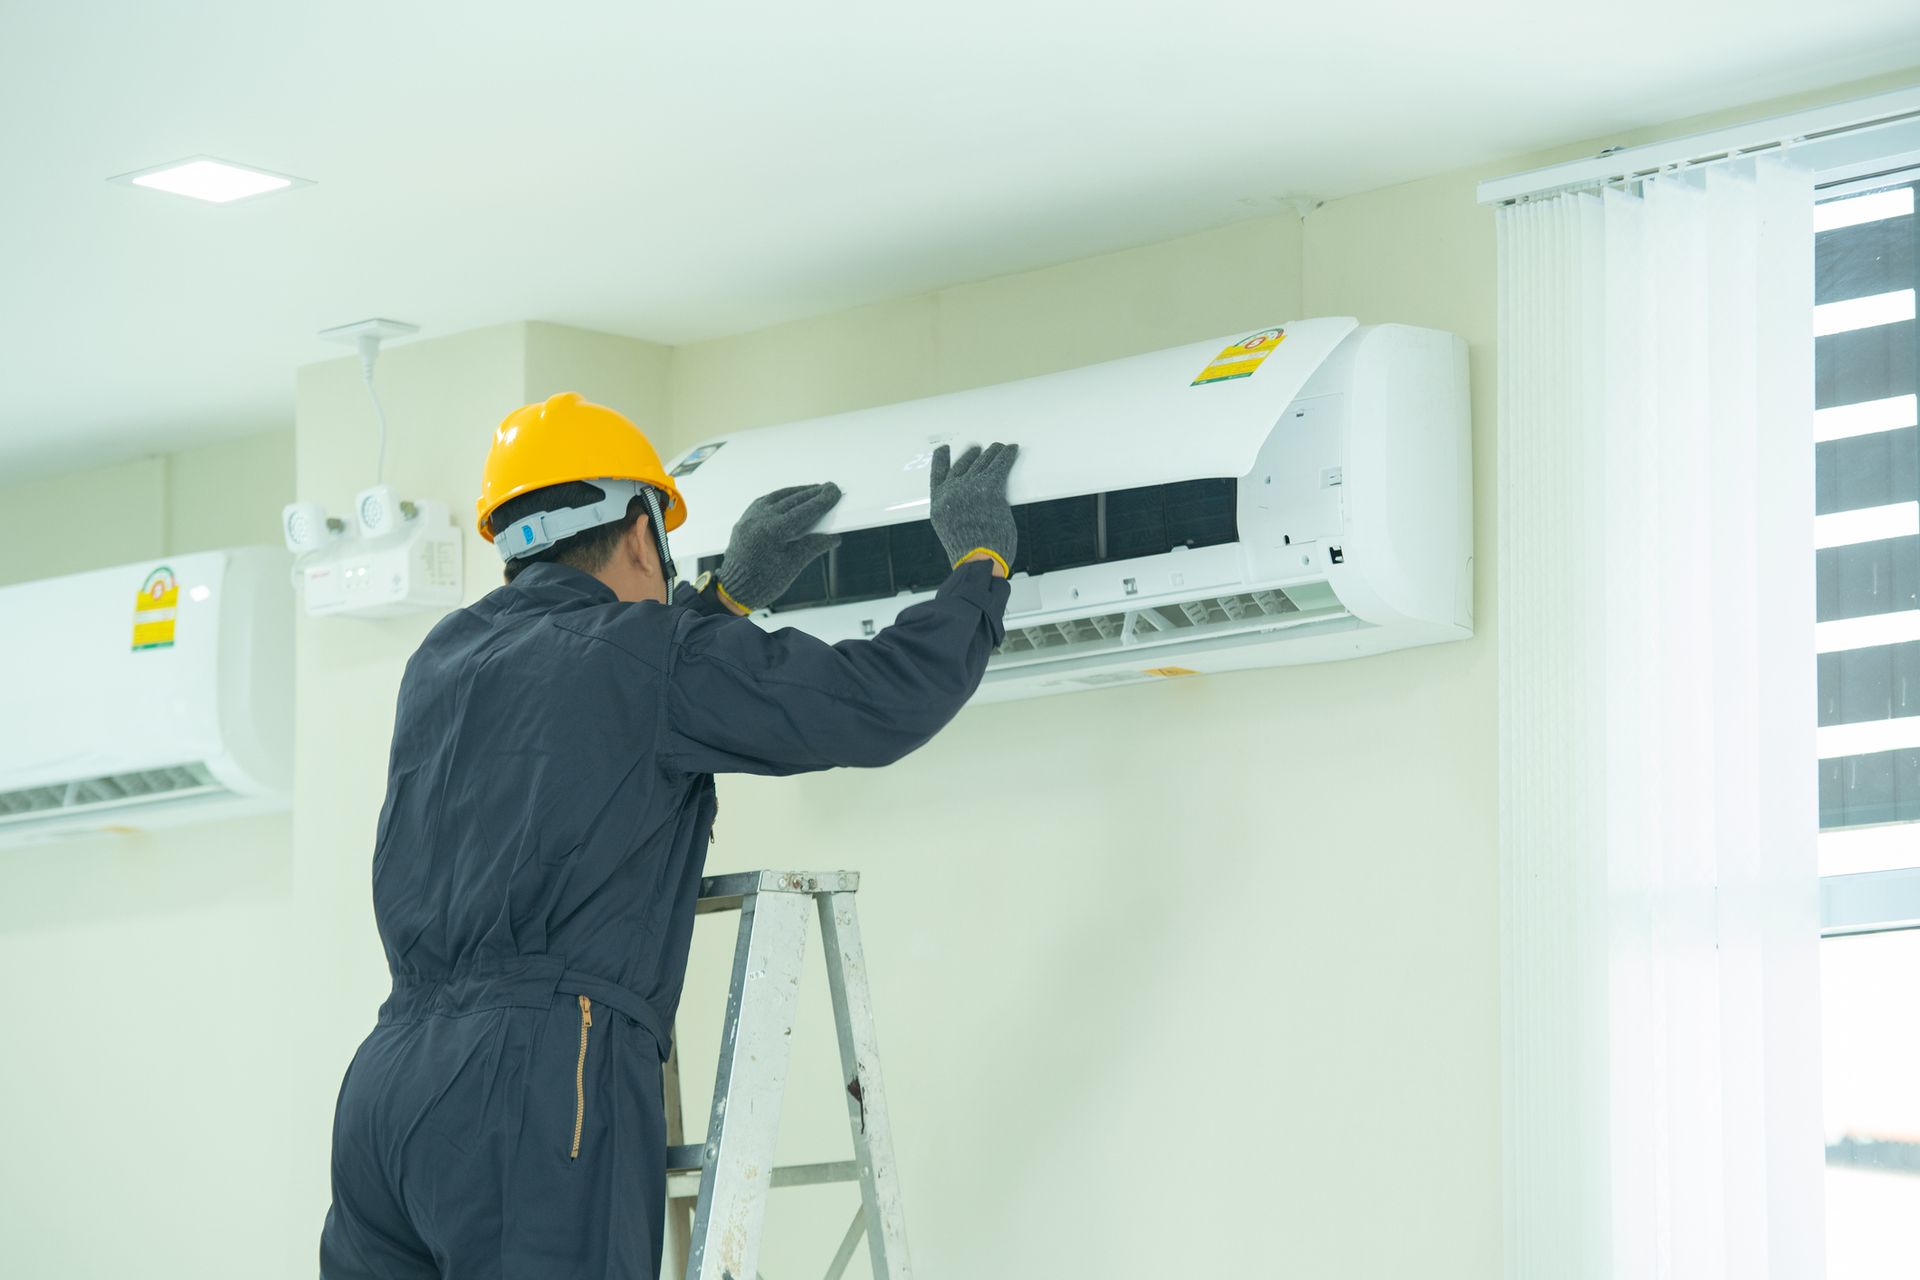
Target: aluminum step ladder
717, 1190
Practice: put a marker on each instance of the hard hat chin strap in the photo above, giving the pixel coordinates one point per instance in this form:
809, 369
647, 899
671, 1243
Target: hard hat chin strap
651, 497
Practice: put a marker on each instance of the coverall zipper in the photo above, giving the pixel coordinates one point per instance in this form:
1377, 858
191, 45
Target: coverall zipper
580, 1077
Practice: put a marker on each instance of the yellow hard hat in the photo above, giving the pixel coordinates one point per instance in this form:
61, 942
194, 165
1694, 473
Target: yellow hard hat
568, 438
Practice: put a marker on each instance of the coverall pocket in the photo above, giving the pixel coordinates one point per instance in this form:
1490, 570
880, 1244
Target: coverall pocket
558, 1081
580, 1075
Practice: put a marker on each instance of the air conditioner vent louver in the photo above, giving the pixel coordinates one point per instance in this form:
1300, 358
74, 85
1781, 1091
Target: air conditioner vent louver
108, 792
1244, 611
1054, 635
1218, 609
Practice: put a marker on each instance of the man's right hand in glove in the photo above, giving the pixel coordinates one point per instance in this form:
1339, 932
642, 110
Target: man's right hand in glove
969, 507
772, 542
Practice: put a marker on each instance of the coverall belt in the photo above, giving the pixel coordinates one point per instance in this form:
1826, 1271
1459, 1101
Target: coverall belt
620, 1000
531, 982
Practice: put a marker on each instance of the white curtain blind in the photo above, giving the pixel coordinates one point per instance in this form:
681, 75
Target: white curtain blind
1658, 786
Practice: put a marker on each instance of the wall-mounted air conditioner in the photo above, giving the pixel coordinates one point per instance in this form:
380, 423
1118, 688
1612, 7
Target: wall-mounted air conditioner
151, 695
1301, 494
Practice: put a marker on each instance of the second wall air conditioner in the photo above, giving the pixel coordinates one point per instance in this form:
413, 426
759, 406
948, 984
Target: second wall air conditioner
1301, 494
151, 695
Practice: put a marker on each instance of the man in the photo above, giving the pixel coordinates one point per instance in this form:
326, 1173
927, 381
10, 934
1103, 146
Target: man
549, 803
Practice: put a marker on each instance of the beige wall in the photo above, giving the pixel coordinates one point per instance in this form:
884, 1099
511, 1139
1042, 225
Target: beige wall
1233, 278
600, 366
142, 977
220, 496
228, 492
131, 521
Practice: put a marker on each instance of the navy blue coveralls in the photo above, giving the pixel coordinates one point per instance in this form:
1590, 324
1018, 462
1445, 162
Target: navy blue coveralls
549, 803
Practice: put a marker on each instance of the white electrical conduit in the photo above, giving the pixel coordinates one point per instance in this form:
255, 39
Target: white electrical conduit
368, 344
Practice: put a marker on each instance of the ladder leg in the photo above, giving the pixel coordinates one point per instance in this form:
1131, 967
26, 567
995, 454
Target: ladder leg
737, 1168
679, 1209
866, 1095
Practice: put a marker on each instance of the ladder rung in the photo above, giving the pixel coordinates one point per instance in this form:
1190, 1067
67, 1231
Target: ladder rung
724, 893
807, 1175
683, 1180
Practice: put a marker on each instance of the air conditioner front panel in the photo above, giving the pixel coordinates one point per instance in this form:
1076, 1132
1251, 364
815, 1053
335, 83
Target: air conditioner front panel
1115, 426
71, 641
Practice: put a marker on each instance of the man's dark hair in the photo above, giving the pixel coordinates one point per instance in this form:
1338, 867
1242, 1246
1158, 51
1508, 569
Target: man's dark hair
590, 549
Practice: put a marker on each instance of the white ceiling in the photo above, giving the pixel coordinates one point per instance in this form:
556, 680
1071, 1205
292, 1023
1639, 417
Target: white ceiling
712, 169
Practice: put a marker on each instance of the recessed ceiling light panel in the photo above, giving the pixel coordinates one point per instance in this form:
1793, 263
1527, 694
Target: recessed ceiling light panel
215, 181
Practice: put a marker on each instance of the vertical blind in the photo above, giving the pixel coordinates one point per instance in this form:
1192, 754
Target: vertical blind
1659, 894
1867, 507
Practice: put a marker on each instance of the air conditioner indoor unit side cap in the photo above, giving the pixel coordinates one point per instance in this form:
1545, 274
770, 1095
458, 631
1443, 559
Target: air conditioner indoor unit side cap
161, 694
1298, 494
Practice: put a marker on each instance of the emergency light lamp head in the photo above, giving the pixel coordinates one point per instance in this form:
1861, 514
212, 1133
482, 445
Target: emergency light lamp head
377, 511
305, 526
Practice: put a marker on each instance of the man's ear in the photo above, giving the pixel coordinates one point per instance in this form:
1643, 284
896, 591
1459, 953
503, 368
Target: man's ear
638, 544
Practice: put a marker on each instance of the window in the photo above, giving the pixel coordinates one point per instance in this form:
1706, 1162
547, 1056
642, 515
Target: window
1867, 539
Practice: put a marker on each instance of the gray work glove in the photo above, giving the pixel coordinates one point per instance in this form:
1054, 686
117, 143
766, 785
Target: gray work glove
969, 507
772, 542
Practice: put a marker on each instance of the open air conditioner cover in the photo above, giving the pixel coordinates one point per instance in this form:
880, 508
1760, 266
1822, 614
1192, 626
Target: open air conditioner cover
1120, 425
1295, 494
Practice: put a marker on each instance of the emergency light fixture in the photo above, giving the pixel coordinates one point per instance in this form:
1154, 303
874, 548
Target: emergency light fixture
397, 556
205, 178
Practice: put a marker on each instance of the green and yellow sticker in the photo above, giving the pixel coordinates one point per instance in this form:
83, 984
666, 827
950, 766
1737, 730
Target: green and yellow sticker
155, 609
1241, 359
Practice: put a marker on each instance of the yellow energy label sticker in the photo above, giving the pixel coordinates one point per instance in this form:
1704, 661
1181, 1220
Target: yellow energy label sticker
155, 609
1242, 358
1168, 673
